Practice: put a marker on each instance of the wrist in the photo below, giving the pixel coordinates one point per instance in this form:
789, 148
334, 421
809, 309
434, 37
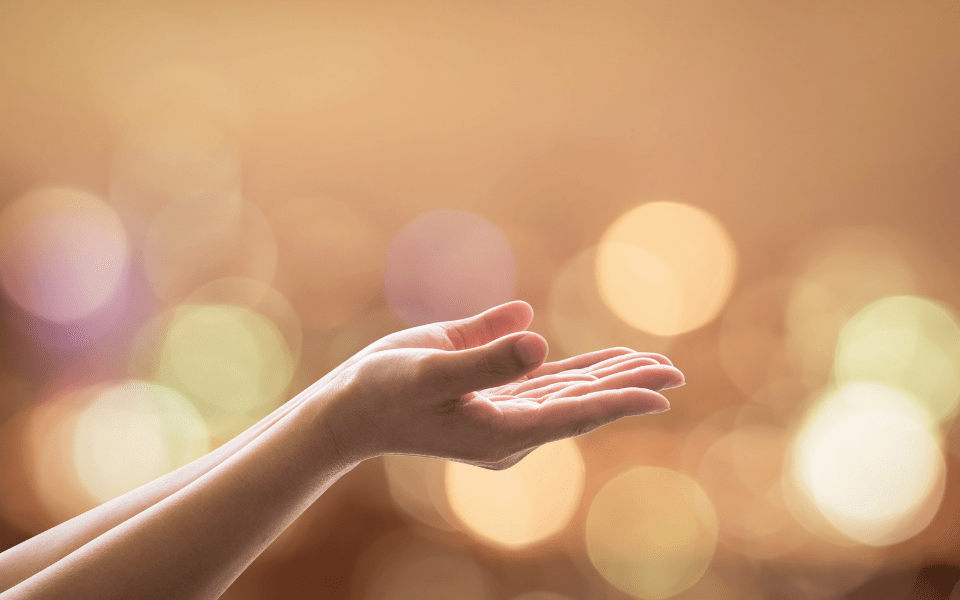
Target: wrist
336, 419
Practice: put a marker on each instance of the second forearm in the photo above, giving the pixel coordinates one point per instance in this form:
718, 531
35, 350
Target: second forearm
195, 542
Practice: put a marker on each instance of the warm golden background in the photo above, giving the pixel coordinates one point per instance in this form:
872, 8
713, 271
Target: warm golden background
205, 206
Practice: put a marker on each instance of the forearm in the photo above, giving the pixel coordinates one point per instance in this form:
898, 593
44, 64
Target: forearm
195, 542
39, 552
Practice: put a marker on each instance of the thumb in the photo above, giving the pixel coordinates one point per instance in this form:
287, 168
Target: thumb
497, 363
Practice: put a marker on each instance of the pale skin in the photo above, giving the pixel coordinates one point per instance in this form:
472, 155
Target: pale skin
476, 391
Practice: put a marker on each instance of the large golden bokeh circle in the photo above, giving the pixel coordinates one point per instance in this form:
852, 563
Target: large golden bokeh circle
651, 532
665, 267
520, 506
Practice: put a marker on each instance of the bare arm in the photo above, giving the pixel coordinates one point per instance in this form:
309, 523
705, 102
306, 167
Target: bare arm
193, 542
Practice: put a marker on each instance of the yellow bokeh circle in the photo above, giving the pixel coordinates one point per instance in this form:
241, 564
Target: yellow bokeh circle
651, 532
522, 505
908, 343
133, 433
666, 268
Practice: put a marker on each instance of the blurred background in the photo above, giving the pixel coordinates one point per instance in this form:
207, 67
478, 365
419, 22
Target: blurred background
206, 206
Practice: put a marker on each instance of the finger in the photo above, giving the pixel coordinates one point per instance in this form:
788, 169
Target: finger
579, 362
567, 417
597, 359
624, 365
547, 390
619, 359
489, 325
539, 382
497, 363
654, 377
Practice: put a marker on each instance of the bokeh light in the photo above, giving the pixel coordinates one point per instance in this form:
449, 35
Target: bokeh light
447, 265
908, 343
651, 532
751, 341
666, 268
63, 253
416, 485
579, 320
522, 505
132, 433
869, 459
232, 362
839, 275
330, 258
204, 236
742, 474
405, 566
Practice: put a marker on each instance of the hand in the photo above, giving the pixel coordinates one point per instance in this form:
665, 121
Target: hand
476, 391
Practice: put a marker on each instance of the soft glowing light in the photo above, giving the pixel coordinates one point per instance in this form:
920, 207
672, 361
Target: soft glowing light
651, 532
416, 486
330, 259
539, 595
447, 265
869, 460
404, 566
665, 268
579, 320
842, 274
524, 504
205, 236
751, 339
133, 433
63, 253
907, 343
159, 162
742, 472
231, 361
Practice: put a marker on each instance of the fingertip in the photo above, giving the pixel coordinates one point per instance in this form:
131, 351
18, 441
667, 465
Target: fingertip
531, 349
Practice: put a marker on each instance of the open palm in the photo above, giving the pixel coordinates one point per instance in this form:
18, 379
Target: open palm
460, 390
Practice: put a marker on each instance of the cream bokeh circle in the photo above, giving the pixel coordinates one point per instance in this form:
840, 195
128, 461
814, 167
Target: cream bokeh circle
869, 460
651, 532
522, 505
665, 267
133, 433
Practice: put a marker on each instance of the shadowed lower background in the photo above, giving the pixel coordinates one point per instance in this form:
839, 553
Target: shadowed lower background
206, 206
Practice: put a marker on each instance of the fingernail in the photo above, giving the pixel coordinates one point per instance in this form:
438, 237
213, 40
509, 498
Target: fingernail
662, 409
528, 350
675, 384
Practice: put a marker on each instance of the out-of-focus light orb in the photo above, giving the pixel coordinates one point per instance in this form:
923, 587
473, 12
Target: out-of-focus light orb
63, 253
205, 236
651, 532
579, 320
908, 343
259, 298
416, 485
232, 362
404, 566
751, 338
133, 433
840, 275
871, 462
541, 595
330, 259
448, 264
158, 162
438, 578
522, 505
742, 473
666, 268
